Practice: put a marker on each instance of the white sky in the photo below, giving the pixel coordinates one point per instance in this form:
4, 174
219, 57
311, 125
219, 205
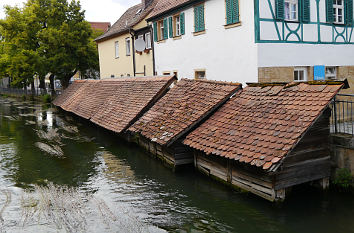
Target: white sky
96, 10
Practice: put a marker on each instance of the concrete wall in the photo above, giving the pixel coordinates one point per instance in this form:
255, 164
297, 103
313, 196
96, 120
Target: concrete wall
342, 151
226, 54
109, 64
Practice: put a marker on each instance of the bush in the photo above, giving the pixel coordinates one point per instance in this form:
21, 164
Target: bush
343, 178
46, 98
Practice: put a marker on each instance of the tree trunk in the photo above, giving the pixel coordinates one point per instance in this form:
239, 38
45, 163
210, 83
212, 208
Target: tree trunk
42, 84
52, 87
33, 90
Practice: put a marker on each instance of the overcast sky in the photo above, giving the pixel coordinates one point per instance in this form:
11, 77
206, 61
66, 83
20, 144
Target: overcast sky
96, 10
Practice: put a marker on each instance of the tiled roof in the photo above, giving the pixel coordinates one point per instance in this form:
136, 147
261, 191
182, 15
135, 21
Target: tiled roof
165, 5
132, 96
103, 26
67, 93
129, 19
113, 103
261, 125
181, 108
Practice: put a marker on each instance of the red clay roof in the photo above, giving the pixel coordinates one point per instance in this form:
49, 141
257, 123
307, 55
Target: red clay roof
132, 97
260, 126
65, 97
103, 26
130, 18
113, 103
165, 5
182, 108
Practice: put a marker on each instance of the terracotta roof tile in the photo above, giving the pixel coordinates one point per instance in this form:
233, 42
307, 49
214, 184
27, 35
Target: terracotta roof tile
130, 18
130, 99
182, 108
280, 115
113, 103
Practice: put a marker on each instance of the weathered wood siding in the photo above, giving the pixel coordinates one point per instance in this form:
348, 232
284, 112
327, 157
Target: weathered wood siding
234, 174
175, 155
310, 159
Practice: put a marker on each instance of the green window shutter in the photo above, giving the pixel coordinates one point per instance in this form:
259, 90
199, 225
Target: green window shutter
305, 11
181, 18
229, 12
155, 31
165, 29
279, 9
236, 11
201, 18
170, 28
196, 21
349, 12
329, 11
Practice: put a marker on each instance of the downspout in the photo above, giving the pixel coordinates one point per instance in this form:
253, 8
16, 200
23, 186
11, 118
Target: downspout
132, 33
153, 51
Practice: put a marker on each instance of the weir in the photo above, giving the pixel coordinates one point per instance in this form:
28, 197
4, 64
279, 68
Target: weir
265, 138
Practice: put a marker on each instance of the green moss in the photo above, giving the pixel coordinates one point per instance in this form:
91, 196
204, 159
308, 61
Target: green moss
46, 98
343, 179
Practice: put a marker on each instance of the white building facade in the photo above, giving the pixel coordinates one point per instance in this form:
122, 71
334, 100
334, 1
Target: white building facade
255, 40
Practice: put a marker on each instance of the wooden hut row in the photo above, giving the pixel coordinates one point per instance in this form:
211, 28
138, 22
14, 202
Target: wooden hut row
267, 139
263, 138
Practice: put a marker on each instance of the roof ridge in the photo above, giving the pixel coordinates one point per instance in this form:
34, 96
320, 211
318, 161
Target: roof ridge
213, 82
291, 84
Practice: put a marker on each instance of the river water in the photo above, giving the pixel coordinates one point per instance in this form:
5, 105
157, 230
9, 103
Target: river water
121, 189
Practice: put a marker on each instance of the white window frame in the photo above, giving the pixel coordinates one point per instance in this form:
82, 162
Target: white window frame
127, 46
298, 70
289, 13
197, 74
177, 25
162, 30
336, 9
116, 49
331, 75
148, 40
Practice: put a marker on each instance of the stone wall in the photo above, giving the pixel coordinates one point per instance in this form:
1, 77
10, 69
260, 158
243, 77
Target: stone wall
286, 74
342, 151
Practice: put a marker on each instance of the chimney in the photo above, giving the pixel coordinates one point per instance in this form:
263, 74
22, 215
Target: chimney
146, 3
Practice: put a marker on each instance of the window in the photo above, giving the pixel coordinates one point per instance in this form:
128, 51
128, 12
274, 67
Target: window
116, 46
148, 40
300, 74
338, 11
177, 22
166, 73
291, 10
199, 74
162, 30
199, 24
127, 45
232, 11
331, 73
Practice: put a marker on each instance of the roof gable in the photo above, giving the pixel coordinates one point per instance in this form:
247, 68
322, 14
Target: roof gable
130, 18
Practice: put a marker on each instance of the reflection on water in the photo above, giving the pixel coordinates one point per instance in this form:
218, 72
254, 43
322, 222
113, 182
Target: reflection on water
41, 146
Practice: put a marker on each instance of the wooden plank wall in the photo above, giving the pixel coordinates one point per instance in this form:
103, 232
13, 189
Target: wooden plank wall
174, 156
229, 172
310, 159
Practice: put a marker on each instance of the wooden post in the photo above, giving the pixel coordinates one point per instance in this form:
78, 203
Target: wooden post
324, 183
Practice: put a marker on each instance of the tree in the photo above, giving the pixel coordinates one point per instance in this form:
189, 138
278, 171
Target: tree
47, 37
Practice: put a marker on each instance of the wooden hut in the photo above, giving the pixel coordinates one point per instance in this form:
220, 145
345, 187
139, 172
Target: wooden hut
161, 129
268, 138
114, 104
